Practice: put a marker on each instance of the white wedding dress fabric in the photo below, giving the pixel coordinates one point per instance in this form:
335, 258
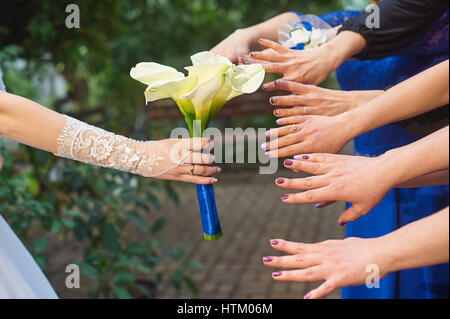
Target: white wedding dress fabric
20, 275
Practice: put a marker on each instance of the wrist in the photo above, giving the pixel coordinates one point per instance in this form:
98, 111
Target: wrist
358, 98
395, 167
385, 254
349, 124
334, 54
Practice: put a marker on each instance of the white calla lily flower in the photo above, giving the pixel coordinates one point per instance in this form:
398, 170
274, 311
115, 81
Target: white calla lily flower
212, 81
149, 72
207, 57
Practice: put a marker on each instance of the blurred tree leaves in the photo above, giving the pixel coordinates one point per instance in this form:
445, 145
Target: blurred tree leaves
97, 205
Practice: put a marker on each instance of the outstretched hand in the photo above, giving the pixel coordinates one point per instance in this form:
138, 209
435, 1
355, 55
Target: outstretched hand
362, 181
307, 134
307, 66
340, 263
313, 100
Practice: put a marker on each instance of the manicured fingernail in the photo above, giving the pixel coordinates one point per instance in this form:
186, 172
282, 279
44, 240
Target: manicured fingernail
264, 87
320, 205
277, 274
280, 180
343, 224
307, 296
268, 153
288, 163
265, 146
214, 180
284, 197
268, 133
219, 170
280, 121
267, 259
273, 100
274, 242
275, 112
297, 157
306, 157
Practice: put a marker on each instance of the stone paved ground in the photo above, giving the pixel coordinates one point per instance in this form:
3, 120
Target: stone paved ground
251, 213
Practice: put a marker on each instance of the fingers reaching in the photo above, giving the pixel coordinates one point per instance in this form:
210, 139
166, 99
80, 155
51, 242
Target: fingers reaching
322, 291
294, 261
273, 45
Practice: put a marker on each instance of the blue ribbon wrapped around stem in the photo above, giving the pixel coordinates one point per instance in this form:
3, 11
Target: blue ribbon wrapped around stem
208, 211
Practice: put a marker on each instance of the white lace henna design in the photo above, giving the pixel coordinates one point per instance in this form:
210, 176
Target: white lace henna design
89, 144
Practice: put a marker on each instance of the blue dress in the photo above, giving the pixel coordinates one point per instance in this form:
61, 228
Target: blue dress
400, 206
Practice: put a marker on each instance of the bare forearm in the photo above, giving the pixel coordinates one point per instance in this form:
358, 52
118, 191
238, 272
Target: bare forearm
344, 46
423, 157
359, 98
432, 179
269, 29
419, 94
27, 122
422, 243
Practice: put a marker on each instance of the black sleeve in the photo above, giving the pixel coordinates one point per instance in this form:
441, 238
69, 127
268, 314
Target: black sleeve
401, 23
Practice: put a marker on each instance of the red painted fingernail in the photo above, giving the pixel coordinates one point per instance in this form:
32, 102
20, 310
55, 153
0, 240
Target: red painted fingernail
288, 163
307, 296
267, 259
273, 100
277, 274
280, 180
284, 197
306, 157
343, 224
274, 242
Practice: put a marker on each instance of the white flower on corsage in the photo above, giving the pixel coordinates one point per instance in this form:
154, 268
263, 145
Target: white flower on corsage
306, 32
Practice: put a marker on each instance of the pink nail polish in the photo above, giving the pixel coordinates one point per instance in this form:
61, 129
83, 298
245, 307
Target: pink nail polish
280, 121
268, 153
277, 274
306, 157
307, 296
268, 133
274, 242
267, 259
265, 146
288, 163
284, 197
297, 157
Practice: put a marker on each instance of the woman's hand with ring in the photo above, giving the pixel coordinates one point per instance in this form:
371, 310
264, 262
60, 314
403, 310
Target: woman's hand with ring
310, 134
186, 160
313, 100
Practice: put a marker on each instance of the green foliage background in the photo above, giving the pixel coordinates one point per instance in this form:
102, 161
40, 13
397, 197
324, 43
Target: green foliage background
89, 204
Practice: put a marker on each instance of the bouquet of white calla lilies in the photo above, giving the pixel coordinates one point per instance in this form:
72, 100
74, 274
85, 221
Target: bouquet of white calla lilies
212, 80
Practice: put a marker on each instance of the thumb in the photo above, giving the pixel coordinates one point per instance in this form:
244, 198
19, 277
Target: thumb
351, 214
